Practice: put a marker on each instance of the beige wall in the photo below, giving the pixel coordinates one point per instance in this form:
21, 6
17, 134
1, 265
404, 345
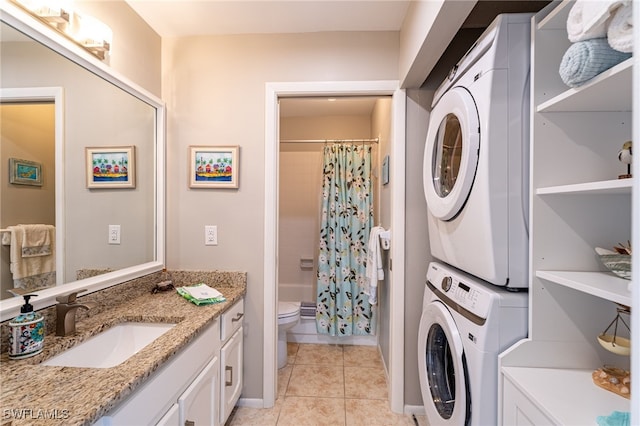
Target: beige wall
136, 48
215, 91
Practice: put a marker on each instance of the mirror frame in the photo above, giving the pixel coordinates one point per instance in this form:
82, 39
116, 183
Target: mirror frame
21, 21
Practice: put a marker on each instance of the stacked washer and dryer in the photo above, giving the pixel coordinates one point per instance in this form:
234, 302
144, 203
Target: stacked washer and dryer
476, 186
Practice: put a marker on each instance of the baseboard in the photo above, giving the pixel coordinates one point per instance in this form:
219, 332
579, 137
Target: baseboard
250, 403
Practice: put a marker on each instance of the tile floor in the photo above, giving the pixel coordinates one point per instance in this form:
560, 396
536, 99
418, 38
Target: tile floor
327, 385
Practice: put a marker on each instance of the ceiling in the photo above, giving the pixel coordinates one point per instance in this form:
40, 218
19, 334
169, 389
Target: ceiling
173, 18
183, 18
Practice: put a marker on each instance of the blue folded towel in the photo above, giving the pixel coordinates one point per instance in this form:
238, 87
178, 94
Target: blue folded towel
586, 59
617, 418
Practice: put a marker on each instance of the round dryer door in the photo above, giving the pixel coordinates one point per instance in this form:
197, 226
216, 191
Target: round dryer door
442, 368
451, 153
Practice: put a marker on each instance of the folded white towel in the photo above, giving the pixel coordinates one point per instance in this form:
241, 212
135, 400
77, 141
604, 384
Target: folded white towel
590, 18
374, 272
202, 292
620, 32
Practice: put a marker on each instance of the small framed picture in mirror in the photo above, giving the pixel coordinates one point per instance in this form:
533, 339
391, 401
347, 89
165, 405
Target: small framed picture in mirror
213, 166
25, 172
111, 167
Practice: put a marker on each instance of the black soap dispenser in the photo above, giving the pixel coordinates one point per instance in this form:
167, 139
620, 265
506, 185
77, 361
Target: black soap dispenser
27, 332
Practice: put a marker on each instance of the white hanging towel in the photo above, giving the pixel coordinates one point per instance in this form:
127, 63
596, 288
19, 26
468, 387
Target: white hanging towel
590, 18
374, 271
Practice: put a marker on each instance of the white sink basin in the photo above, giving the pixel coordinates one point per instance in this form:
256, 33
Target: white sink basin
111, 347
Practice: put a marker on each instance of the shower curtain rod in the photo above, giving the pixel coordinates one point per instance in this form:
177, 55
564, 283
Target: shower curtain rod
375, 140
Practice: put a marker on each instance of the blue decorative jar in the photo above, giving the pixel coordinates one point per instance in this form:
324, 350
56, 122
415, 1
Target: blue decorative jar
27, 332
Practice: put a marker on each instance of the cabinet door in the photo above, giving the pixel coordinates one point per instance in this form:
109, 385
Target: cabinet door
198, 405
231, 377
518, 410
171, 417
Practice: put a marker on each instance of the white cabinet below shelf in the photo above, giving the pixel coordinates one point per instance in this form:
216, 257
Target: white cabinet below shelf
556, 396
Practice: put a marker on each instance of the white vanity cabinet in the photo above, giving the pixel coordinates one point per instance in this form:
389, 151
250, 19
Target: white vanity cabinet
231, 360
154, 401
577, 204
199, 386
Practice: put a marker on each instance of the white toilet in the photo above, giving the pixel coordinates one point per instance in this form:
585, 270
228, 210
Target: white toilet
288, 317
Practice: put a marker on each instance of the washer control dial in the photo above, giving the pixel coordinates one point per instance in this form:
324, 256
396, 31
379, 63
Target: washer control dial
446, 283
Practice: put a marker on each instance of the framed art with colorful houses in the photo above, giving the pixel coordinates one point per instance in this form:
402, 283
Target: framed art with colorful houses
110, 167
213, 166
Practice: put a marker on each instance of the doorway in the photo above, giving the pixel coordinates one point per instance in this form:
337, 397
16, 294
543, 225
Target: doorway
33, 129
394, 341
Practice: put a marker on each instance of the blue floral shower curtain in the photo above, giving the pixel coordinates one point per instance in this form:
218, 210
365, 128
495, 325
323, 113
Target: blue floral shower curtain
342, 307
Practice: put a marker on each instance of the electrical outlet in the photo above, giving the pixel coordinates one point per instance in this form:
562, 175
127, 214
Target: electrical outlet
210, 235
114, 234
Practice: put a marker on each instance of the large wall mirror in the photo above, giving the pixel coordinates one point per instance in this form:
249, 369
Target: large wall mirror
57, 102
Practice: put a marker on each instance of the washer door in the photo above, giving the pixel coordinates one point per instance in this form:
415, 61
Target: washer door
442, 368
451, 153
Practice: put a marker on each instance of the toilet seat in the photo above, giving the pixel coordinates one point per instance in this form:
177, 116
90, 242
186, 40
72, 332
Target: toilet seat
288, 310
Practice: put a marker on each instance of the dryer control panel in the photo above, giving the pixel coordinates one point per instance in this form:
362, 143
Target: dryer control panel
464, 290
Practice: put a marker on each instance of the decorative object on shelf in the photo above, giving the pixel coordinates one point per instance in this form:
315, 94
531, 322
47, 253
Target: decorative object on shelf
111, 167
24, 172
612, 342
616, 262
613, 379
625, 156
214, 166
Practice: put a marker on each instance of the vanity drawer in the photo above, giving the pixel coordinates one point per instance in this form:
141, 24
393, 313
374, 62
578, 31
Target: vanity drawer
232, 320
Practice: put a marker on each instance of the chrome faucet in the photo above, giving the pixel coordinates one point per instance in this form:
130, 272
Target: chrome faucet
66, 313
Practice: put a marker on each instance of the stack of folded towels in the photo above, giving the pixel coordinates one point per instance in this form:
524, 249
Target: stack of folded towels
602, 35
201, 294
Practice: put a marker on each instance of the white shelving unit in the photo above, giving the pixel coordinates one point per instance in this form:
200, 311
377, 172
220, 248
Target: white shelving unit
577, 204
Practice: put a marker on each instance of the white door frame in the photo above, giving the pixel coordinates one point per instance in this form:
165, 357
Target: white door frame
274, 91
55, 95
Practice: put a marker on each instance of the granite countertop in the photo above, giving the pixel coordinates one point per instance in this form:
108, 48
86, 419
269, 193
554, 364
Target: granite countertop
35, 394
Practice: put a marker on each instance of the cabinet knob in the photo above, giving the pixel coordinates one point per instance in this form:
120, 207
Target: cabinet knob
238, 317
230, 370
189, 423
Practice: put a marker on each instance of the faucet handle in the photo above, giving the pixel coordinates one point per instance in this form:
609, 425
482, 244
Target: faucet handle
69, 298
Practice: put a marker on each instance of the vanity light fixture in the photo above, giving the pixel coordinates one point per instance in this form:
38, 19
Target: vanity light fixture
84, 30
